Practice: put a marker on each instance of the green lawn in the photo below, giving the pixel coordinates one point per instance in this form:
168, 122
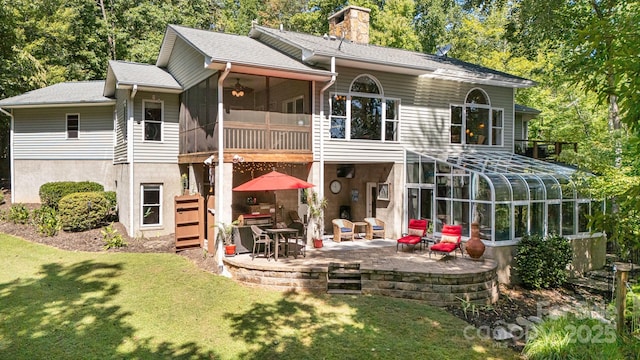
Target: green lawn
66, 305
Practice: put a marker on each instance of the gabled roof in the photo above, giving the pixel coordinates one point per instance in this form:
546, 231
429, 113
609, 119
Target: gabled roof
124, 75
525, 109
75, 93
242, 52
320, 50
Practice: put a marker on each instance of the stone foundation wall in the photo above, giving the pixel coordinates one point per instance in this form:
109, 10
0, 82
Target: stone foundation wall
432, 288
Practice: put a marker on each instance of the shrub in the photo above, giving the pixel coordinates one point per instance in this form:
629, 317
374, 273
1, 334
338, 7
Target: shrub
569, 337
111, 237
113, 206
46, 220
51, 193
18, 214
83, 211
542, 263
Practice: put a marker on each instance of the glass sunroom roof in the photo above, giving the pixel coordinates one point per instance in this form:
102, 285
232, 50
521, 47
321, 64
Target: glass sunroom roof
509, 195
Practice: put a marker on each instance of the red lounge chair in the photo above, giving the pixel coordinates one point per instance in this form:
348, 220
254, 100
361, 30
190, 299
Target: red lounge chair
417, 229
450, 241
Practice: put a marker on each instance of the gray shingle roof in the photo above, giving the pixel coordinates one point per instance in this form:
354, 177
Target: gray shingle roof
237, 49
65, 93
143, 75
525, 109
319, 46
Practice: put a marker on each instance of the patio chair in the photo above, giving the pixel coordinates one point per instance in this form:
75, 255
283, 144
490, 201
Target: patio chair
298, 243
416, 230
295, 218
375, 227
260, 238
450, 241
342, 228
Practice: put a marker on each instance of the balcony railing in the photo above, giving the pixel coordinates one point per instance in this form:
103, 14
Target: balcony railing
543, 150
247, 130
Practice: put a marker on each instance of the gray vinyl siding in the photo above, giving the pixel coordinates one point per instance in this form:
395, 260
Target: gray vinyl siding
120, 146
165, 151
187, 64
41, 134
424, 117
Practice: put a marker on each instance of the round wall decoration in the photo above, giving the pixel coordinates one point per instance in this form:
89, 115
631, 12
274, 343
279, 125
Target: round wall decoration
335, 186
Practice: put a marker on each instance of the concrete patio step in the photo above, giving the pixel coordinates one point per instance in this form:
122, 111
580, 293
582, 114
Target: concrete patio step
344, 292
344, 278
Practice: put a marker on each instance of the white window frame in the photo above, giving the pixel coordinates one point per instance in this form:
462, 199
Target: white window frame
465, 106
77, 115
144, 120
142, 204
349, 95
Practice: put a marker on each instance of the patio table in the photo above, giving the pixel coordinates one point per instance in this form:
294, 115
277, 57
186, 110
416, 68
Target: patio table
283, 233
360, 224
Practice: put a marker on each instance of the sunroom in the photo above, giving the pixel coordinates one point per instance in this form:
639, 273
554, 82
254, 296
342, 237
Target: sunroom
508, 195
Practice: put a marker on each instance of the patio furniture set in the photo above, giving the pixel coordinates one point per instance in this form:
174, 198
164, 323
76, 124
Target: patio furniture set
345, 229
449, 241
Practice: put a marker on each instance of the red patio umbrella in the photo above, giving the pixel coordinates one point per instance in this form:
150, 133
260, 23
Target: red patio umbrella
273, 181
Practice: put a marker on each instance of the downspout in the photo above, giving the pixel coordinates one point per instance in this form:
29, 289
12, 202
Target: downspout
11, 161
130, 122
220, 173
324, 88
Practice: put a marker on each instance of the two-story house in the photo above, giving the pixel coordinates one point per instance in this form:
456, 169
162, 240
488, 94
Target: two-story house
381, 132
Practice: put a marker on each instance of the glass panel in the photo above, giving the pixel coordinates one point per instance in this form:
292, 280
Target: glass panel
426, 204
428, 171
477, 97
501, 186
461, 187
443, 213
152, 131
520, 220
583, 221
412, 203
391, 110
566, 186
150, 204
553, 226
496, 134
482, 190
413, 168
483, 214
338, 105
366, 118
456, 124
461, 216
391, 130
520, 191
338, 130
551, 185
503, 222
567, 218
537, 218
443, 168
477, 131
536, 188
443, 185
365, 84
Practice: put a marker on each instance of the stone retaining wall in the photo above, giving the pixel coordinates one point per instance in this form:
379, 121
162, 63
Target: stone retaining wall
438, 289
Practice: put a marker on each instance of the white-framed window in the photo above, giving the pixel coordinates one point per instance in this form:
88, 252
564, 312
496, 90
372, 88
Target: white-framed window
152, 111
294, 105
364, 113
476, 122
151, 204
73, 126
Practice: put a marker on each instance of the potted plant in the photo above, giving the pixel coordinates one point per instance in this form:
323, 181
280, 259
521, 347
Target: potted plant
316, 216
226, 233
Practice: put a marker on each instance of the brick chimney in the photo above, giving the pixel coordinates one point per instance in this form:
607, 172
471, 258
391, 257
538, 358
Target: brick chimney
352, 22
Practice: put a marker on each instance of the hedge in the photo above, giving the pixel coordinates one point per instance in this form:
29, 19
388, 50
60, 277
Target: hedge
83, 211
52, 192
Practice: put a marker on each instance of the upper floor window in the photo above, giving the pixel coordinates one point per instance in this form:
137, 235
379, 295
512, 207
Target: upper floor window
364, 113
476, 122
73, 126
152, 112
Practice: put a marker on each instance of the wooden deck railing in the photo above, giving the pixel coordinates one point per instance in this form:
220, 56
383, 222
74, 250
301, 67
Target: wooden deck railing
543, 150
247, 130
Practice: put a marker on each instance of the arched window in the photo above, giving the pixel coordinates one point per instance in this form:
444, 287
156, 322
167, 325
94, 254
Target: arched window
364, 113
476, 122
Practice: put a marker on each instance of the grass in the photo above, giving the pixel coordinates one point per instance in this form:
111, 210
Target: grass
56, 304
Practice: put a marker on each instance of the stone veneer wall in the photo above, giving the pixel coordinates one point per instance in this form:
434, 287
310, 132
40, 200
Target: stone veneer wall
433, 288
